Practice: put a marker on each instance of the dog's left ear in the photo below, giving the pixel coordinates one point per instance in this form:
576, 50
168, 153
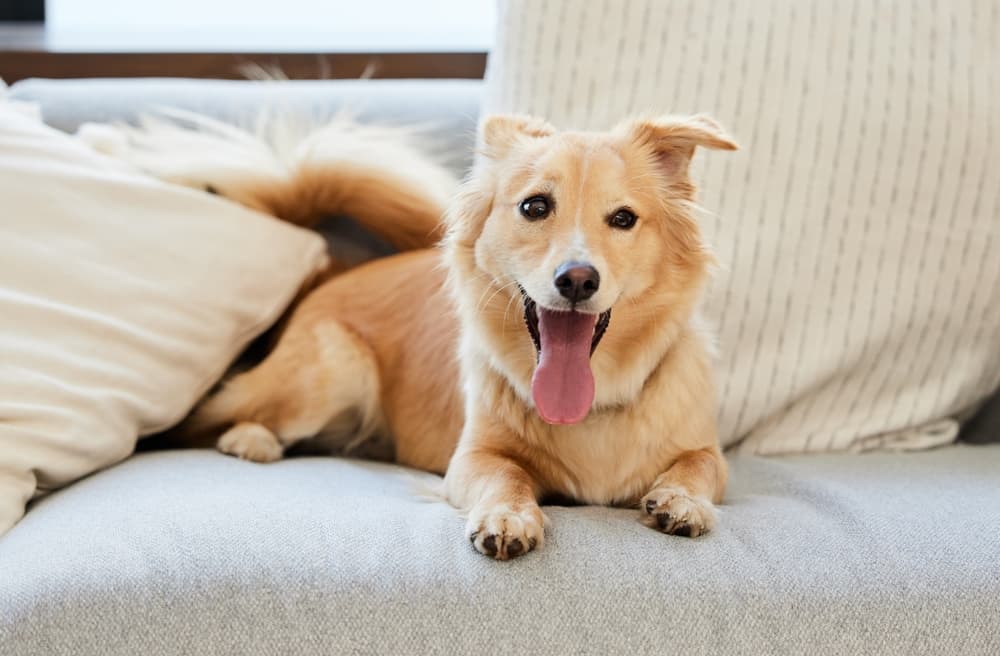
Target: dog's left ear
499, 133
673, 139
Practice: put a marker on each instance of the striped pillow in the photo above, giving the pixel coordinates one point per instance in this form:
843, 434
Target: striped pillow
859, 302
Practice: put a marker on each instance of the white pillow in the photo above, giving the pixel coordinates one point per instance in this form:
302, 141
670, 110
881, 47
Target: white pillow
122, 300
858, 227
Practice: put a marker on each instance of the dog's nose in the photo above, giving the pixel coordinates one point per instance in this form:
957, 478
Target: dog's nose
577, 281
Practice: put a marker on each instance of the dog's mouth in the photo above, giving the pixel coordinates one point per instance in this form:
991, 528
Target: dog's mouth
563, 383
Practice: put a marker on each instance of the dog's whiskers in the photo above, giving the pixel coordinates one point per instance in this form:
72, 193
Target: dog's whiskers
503, 329
482, 306
491, 282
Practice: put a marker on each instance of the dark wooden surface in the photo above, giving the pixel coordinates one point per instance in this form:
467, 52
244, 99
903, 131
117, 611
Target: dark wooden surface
25, 53
15, 66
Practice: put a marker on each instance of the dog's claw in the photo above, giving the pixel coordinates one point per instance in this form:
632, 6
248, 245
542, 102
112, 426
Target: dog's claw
505, 535
675, 512
684, 530
663, 520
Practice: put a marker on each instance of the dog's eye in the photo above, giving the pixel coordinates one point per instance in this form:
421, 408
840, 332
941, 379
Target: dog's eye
535, 208
623, 219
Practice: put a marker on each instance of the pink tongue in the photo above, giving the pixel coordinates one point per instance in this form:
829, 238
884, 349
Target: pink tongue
563, 385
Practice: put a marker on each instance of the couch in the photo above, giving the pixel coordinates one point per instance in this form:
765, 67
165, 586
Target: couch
193, 552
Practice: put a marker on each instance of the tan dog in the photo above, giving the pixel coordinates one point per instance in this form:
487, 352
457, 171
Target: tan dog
550, 348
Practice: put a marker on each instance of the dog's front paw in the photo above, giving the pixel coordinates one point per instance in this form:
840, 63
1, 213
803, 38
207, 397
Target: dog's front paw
672, 510
502, 533
250, 441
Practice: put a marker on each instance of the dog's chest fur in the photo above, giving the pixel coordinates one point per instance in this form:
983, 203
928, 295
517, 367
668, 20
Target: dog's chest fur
614, 455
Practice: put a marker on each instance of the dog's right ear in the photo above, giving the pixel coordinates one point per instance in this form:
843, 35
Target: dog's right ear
498, 133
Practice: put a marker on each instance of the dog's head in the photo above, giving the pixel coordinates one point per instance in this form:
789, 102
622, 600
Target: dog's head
573, 227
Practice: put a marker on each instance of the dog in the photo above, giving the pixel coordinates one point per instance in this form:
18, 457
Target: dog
550, 346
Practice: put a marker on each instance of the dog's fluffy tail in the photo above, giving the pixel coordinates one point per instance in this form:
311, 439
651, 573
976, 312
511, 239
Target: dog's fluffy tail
298, 171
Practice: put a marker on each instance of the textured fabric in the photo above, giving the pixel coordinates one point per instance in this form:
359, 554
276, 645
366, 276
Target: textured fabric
447, 109
195, 552
859, 297
122, 300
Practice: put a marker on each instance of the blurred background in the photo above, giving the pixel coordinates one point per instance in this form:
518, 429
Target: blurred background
305, 39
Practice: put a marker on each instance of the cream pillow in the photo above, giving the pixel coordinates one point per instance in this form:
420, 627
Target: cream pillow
858, 228
122, 300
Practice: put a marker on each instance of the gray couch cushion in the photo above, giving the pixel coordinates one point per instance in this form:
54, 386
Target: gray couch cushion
448, 108
194, 552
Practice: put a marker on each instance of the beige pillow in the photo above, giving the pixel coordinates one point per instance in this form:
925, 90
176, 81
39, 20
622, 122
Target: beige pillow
858, 226
122, 300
